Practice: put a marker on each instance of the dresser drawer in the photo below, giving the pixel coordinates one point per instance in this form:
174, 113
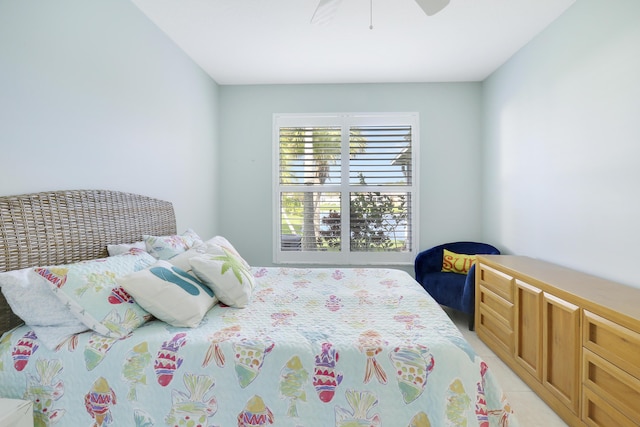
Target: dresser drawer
614, 385
613, 342
596, 412
493, 328
497, 281
496, 305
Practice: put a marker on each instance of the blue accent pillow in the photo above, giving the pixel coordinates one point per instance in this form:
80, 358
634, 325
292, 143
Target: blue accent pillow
170, 294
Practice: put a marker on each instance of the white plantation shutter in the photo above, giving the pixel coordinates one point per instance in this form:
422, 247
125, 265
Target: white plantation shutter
305, 154
345, 189
381, 155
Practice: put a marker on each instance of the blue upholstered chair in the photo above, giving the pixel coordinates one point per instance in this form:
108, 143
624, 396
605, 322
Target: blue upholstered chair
451, 289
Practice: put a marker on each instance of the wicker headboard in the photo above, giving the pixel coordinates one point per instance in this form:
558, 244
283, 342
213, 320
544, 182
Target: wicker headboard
60, 227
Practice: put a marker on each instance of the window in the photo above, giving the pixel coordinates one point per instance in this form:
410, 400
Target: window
345, 188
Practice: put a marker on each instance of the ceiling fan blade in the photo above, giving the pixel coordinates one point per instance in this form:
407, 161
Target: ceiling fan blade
431, 7
325, 11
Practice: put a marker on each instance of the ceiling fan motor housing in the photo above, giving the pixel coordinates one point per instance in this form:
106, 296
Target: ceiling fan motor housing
431, 7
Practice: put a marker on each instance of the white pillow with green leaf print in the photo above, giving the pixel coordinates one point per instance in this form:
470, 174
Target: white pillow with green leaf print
226, 273
215, 245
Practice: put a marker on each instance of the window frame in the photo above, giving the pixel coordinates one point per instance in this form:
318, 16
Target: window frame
345, 256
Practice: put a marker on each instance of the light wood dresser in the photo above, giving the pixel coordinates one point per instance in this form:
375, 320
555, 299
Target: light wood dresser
572, 337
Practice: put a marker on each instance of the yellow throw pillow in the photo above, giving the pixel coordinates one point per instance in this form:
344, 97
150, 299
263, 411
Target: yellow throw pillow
457, 263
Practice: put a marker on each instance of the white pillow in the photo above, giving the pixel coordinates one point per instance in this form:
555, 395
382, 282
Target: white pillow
126, 247
227, 274
170, 294
182, 260
32, 300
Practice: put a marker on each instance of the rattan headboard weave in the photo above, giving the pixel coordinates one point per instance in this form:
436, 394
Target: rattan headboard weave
52, 228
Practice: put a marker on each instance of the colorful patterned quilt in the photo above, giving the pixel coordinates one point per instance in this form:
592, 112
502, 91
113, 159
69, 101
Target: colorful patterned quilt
315, 347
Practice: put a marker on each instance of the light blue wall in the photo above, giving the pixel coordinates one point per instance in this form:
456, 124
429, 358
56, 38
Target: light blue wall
450, 154
562, 143
93, 95
540, 159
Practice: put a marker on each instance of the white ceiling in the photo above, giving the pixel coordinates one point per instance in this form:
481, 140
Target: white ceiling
274, 42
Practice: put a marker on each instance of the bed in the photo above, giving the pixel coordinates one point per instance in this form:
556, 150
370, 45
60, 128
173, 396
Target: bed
311, 347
